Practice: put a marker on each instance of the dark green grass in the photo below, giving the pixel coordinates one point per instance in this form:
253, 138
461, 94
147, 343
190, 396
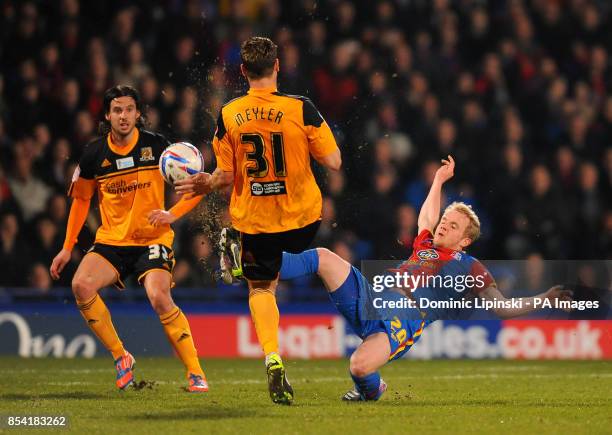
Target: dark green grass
423, 397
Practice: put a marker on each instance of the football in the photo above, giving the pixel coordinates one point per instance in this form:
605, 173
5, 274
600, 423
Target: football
179, 161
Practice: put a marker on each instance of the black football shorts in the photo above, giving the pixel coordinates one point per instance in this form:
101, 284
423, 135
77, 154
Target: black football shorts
262, 254
138, 260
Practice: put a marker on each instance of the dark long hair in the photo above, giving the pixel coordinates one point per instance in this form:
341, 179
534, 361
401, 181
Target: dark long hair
115, 92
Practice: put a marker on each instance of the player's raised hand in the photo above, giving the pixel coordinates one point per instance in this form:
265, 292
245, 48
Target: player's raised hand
59, 262
195, 185
447, 170
559, 292
160, 217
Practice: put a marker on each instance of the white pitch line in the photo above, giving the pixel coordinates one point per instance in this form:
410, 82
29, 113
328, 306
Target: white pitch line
252, 381
70, 371
435, 377
512, 368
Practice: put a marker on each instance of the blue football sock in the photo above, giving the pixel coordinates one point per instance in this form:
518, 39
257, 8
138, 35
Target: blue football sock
368, 386
296, 265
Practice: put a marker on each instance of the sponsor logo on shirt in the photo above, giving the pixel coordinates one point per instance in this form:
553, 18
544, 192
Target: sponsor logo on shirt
428, 254
146, 154
126, 162
269, 188
121, 186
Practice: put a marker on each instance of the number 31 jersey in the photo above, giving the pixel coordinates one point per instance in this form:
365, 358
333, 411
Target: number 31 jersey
265, 138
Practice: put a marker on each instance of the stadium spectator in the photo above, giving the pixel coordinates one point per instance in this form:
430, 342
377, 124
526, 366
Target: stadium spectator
65, 110
193, 270
542, 215
3, 103
589, 203
50, 72
326, 232
28, 190
46, 242
520, 93
39, 278
344, 251
14, 255
57, 210
405, 228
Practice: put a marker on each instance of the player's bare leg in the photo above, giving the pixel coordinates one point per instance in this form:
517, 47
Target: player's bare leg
336, 273
375, 350
371, 355
333, 269
157, 284
265, 315
94, 273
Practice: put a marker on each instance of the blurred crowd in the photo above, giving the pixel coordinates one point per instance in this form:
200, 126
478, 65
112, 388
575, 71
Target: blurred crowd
518, 91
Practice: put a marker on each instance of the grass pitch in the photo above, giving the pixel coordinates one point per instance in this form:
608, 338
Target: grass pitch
425, 397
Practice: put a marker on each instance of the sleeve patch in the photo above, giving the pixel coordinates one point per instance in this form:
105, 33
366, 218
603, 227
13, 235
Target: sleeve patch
87, 164
76, 174
220, 131
311, 114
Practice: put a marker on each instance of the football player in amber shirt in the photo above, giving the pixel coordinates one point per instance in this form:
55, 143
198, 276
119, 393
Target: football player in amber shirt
263, 144
135, 236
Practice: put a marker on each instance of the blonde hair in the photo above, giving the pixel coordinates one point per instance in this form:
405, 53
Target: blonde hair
473, 229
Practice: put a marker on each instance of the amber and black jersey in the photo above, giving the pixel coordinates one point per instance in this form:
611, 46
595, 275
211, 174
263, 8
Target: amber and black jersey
129, 186
266, 139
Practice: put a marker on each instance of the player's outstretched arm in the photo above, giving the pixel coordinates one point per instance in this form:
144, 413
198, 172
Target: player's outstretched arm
527, 305
194, 185
204, 183
76, 219
430, 211
177, 211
